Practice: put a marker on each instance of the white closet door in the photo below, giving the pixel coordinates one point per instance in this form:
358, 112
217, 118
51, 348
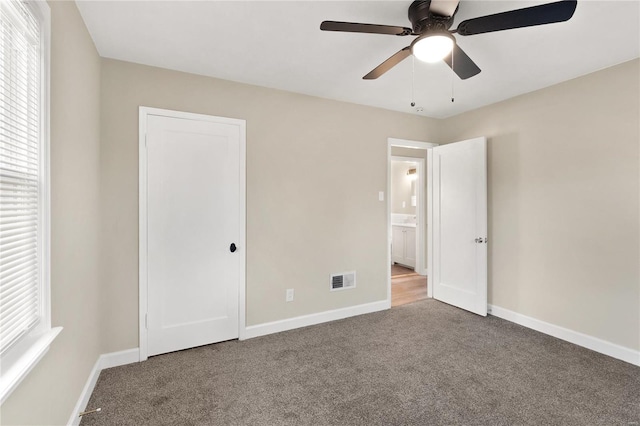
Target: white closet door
193, 190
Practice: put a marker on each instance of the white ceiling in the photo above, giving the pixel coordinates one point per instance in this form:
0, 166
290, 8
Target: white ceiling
280, 45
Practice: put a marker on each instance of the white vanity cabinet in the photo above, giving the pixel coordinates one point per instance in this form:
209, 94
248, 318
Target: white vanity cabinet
403, 245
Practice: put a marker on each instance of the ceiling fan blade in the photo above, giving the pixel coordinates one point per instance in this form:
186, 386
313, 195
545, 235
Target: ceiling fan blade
353, 27
462, 64
394, 60
528, 17
443, 7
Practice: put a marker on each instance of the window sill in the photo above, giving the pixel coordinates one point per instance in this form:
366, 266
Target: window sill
19, 361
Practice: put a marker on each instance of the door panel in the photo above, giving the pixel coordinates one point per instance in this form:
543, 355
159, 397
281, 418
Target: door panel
410, 246
193, 215
459, 221
397, 244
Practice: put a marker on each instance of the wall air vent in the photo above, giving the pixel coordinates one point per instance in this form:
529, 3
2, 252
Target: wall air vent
343, 281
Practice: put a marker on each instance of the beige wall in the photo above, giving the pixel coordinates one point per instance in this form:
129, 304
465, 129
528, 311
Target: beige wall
314, 169
402, 188
563, 202
49, 393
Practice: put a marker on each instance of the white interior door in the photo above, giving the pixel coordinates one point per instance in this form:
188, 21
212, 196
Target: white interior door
193, 188
459, 258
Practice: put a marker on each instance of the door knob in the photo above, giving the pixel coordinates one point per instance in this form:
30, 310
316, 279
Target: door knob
479, 240
232, 247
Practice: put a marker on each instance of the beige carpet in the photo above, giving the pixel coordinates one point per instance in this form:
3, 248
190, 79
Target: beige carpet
424, 363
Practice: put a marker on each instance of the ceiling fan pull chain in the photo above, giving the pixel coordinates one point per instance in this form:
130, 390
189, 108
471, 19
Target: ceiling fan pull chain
413, 72
452, 75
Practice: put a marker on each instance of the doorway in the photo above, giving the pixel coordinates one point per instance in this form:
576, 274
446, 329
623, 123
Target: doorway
454, 224
407, 187
192, 221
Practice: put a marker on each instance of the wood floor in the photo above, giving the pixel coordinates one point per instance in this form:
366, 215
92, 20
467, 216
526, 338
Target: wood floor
398, 270
407, 286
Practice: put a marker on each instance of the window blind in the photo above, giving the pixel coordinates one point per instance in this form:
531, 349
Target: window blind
21, 178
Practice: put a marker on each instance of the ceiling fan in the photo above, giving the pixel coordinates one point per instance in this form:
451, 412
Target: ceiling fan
431, 20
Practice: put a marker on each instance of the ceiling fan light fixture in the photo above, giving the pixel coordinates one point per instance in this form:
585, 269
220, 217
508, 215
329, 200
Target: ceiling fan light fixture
432, 47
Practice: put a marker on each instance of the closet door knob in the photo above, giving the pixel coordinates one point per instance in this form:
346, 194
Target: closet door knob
232, 247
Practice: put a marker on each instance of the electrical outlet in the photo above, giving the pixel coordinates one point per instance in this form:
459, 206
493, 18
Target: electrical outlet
289, 295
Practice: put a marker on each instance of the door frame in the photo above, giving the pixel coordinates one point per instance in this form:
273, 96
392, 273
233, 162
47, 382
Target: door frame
144, 113
424, 192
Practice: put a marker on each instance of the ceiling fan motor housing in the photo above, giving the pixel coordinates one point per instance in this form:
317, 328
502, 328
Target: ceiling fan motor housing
423, 20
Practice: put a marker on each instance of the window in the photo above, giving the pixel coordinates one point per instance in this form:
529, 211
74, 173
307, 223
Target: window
25, 325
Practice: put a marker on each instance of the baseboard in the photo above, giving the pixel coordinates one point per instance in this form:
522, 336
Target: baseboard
113, 359
602, 346
116, 359
313, 319
74, 420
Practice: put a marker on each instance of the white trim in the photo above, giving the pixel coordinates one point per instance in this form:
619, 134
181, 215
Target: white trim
83, 400
113, 359
116, 359
242, 238
42, 8
424, 212
407, 143
602, 346
143, 113
388, 215
429, 214
313, 319
142, 232
31, 350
